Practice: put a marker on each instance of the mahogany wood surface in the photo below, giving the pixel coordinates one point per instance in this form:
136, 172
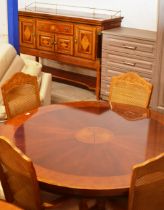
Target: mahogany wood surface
86, 148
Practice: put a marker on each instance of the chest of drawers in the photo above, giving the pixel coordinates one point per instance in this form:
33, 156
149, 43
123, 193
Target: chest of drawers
126, 49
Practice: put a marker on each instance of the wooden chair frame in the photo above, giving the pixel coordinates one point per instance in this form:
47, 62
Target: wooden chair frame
20, 166
144, 192
19, 79
130, 88
17, 157
154, 166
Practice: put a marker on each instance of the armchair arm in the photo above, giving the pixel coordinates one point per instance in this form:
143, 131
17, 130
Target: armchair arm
45, 89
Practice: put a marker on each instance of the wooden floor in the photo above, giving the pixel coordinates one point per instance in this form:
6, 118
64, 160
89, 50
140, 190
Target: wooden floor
67, 93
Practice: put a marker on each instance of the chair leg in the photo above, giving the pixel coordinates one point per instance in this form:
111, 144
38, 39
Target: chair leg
101, 204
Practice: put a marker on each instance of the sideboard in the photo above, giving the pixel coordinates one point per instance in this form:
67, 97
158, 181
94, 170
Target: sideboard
67, 38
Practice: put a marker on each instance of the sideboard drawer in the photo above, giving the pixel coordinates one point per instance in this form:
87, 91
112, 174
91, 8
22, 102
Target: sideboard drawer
55, 27
45, 41
64, 28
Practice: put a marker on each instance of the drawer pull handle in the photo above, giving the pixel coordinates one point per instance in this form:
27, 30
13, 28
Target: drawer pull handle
129, 64
75, 40
129, 47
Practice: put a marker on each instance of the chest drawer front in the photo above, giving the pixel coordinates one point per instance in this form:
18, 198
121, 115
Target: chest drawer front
129, 46
130, 55
127, 62
122, 69
55, 27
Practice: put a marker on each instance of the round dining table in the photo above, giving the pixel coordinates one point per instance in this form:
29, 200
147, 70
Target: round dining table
87, 148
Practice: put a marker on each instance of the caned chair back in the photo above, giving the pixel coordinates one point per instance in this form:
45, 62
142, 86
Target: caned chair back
130, 88
20, 94
18, 177
147, 185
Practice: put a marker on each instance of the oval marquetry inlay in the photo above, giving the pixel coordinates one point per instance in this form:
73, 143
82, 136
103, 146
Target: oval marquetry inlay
93, 135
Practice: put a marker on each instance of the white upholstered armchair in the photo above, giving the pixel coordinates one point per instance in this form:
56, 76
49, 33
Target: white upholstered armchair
11, 63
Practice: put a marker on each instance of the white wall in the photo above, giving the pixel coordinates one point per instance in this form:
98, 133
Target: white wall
137, 14
3, 19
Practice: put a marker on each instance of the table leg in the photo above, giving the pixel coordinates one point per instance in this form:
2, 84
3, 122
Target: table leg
83, 205
100, 204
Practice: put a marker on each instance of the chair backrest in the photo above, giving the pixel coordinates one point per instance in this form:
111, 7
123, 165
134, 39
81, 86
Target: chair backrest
130, 88
18, 177
147, 185
20, 94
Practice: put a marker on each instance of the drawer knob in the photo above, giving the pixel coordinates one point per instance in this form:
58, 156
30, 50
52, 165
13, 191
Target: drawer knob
129, 47
52, 27
129, 64
66, 29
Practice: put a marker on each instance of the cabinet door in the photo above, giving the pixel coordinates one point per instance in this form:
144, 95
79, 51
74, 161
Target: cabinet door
45, 41
85, 41
27, 32
64, 44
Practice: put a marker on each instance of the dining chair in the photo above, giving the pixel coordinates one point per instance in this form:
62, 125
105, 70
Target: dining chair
130, 112
20, 94
147, 187
20, 185
130, 88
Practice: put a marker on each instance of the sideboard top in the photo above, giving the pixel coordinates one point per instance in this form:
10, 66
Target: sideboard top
75, 14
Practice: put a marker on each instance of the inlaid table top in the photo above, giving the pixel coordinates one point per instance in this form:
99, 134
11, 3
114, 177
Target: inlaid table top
87, 148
